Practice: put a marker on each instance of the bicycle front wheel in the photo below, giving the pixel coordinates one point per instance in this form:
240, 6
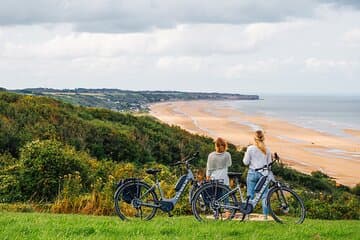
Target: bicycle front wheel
285, 205
213, 202
135, 200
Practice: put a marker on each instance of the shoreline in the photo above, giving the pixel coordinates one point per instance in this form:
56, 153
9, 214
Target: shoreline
304, 149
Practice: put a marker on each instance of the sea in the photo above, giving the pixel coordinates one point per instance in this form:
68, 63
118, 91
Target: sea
327, 114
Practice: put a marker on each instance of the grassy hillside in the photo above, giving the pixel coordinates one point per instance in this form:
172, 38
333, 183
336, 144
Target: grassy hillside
71, 158
49, 226
51, 150
102, 133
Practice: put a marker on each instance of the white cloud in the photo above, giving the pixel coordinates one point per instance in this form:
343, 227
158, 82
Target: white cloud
258, 32
183, 40
352, 36
258, 67
329, 64
184, 63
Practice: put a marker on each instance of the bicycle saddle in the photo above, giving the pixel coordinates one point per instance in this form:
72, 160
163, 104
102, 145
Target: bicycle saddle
152, 171
234, 174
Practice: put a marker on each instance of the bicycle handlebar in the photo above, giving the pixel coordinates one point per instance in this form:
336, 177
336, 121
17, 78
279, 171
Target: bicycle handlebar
186, 160
266, 166
176, 164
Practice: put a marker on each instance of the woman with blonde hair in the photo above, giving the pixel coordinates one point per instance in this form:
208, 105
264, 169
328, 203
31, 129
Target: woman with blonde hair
257, 156
218, 162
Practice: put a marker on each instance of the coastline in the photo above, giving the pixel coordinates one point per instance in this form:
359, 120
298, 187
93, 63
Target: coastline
304, 149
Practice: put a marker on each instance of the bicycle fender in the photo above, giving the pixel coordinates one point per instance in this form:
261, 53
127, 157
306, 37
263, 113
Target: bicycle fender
124, 182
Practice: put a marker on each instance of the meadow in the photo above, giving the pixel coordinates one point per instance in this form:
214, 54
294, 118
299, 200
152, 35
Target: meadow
66, 226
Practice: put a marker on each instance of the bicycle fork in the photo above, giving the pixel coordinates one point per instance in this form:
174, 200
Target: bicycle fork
284, 206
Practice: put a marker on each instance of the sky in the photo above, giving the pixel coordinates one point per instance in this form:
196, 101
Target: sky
247, 46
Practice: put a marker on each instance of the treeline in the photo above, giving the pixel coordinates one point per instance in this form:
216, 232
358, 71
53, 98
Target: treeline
72, 157
122, 100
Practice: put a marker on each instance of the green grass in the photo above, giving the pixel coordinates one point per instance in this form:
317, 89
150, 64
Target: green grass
57, 226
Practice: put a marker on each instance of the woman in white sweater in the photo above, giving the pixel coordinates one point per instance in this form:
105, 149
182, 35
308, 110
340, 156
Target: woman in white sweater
217, 167
218, 162
257, 156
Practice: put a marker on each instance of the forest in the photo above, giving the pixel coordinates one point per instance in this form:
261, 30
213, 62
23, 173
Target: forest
62, 158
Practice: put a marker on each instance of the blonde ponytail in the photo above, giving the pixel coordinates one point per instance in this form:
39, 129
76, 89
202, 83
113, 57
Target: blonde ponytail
259, 140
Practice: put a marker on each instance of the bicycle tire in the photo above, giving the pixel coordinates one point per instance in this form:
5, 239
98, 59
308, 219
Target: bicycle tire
192, 191
205, 203
285, 205
126, 208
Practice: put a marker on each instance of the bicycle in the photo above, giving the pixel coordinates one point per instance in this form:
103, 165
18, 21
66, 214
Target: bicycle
135, 199
212, 199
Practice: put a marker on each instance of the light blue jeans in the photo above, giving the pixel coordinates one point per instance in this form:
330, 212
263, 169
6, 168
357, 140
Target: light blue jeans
251, 180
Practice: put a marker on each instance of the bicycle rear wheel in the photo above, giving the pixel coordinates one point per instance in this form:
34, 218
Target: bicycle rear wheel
135, 200
208, 203
285, 205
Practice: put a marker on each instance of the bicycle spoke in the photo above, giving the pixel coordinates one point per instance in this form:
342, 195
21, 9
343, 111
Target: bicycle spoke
210, 203
286, 206
141, 213
129, 205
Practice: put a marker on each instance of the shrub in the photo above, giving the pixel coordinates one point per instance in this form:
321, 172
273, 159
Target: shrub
43, 165
356, 189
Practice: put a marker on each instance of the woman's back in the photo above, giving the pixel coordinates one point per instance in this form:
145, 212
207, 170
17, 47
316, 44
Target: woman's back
219, 160
217, 166
255, 158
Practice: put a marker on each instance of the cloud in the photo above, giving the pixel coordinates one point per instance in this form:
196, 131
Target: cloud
113, 16
258, 67
352, 36
351, 3
329, 64
229, 46
179, 63
183, 40
140, 15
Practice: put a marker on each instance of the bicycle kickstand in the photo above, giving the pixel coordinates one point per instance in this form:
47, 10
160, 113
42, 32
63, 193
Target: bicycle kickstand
247, 201
246, 208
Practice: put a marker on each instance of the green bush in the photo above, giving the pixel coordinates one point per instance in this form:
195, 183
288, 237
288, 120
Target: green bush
43, 166
322, 205
356, 189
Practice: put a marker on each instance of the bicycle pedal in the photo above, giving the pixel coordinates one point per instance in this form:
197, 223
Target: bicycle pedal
170, 214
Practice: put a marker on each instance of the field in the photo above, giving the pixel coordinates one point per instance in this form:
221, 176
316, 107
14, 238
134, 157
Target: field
56, 226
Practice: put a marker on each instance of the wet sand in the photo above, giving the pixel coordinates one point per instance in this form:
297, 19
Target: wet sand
304, 149
353, 132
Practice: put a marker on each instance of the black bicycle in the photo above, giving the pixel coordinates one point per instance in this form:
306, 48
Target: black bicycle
213, 199
135, 199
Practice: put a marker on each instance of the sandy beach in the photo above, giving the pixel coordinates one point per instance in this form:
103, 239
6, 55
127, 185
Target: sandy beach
353, 132
304, 149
